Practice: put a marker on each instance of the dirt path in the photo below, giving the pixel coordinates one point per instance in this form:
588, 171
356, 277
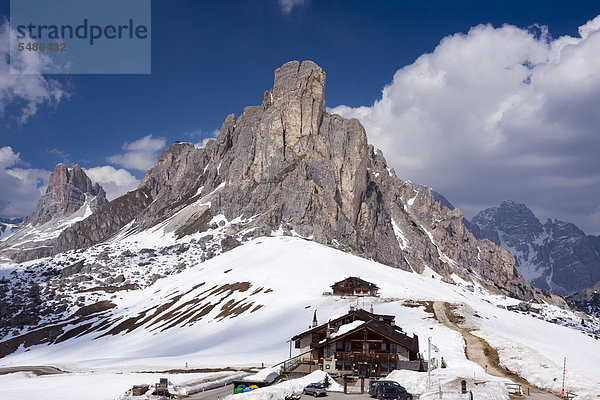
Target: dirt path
479, 351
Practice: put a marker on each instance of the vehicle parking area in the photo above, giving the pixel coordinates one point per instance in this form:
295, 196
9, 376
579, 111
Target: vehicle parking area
340, 396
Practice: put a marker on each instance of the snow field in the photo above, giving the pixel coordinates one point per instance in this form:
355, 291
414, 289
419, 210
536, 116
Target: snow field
292, 274
89, 385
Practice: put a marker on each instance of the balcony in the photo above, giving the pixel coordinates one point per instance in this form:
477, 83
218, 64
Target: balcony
368, 358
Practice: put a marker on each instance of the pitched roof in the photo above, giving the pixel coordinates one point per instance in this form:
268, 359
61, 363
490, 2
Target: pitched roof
357, 280
361, 314
393, 333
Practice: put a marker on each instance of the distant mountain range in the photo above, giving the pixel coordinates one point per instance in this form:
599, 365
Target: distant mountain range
8, 226
556, 256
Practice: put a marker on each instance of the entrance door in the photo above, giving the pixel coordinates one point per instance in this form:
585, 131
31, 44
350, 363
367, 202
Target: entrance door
364, 370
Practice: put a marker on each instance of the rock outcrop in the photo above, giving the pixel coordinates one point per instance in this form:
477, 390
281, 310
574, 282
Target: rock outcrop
588, 299
67, 191
555, 256
69, 197
288, 165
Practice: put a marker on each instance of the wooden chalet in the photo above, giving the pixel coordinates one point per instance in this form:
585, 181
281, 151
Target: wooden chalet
359, 343
354, 286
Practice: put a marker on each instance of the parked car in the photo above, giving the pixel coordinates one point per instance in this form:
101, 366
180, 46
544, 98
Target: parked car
316, 389
393, 393
376, 386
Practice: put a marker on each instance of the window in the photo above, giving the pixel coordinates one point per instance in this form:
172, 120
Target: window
339, 346
383, 346
393, 348
339, 365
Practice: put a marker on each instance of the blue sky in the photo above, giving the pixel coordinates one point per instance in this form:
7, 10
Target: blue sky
212, 58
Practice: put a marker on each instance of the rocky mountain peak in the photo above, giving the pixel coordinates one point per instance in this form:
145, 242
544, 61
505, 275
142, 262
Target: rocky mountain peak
289, 166
67, 191
555, 256
511, 218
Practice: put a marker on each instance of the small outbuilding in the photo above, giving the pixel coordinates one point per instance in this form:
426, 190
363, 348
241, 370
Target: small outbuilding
353, 286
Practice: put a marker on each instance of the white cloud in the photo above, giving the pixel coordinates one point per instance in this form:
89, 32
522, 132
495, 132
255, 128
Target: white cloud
211, 136
20, 188
495, 114
141, 154
24, 93
287, 6
204, 136
115, 182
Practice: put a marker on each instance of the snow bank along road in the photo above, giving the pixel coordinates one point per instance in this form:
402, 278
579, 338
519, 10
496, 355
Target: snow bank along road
38, 370
212, 394
479, 351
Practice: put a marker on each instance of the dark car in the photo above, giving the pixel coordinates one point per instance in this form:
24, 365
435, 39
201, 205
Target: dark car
393, 393
376, 386
316, 389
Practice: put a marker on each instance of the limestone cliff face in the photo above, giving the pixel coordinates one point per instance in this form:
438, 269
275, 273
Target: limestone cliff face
66, 193
70, 197
289, 165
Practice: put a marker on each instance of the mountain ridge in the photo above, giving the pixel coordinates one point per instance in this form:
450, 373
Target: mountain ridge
70, 196
555, 255
288, 164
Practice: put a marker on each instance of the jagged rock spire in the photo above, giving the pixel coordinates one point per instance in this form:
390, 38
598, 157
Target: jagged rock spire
65, 194
287, 164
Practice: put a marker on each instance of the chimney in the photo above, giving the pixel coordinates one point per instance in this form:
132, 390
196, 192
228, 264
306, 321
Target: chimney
327, 333
393, 323
314, 323
371, 311
351, 308
380, 318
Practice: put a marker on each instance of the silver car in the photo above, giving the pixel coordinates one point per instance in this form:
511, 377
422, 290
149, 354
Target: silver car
316, 389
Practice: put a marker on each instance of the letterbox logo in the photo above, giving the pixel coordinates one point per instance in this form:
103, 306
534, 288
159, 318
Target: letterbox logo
80, 37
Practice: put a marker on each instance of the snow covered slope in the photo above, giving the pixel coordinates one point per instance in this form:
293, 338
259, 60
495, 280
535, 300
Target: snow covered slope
29, 237
242, 306
8, 226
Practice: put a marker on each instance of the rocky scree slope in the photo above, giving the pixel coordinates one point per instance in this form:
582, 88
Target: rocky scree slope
70, 196
555, 256
288, 165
